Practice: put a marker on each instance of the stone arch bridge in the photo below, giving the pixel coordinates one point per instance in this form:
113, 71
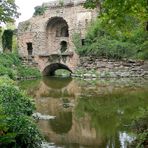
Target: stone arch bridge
47, 40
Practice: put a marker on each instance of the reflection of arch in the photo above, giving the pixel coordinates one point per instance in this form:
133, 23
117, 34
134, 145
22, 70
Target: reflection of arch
57, 82
50, 69
62, 123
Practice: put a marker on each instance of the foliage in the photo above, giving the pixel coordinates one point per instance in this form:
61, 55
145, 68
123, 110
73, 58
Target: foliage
62, 72
17, 128
77, 42
11, 65
24, 71
8, 11
101, 42
120, 30
61, 2
118, 14
7, 40
9, 32
11, 26
39, 10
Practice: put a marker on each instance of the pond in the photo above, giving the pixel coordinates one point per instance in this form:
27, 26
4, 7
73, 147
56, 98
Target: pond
88, 113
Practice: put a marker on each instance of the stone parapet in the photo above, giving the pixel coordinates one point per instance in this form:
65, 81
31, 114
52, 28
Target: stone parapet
59, 3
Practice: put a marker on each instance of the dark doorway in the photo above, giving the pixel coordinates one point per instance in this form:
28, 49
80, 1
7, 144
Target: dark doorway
29, 48
83, 42
63, 46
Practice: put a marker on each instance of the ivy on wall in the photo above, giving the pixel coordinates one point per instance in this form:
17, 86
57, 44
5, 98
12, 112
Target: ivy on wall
7, 40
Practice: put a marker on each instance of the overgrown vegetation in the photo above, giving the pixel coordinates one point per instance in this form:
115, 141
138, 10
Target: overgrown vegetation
11, 65
17, 129
109, 44
39, 10
119, 32
7, 40
120, 14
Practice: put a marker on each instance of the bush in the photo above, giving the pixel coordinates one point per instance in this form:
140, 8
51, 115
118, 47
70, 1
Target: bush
11, 65
39, 10
24, 71
104, 43
17, 129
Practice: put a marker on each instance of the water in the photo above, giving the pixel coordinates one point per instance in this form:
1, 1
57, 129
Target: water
89, 113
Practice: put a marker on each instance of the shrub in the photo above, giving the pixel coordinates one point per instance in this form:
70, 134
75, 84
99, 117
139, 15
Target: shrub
11, 65
104, 43
39, 10
24, 71
17, 129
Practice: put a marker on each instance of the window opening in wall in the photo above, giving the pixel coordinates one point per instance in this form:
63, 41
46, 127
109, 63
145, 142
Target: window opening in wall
83, 42
29, 48
63, 46
86, 21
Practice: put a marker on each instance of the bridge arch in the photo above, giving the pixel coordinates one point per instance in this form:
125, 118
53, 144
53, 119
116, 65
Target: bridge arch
50, 69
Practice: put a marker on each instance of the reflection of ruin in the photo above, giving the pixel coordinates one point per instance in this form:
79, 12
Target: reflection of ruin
47, 39
103, 108
66, 128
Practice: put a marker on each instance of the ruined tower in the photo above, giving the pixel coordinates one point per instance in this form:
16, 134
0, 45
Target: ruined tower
48, 38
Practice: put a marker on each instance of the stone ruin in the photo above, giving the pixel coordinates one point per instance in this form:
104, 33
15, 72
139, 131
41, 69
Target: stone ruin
47, 40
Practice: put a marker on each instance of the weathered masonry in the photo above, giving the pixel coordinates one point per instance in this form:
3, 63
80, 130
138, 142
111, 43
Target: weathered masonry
47, 39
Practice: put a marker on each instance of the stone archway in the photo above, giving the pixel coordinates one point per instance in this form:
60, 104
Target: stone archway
50, 69
56, 31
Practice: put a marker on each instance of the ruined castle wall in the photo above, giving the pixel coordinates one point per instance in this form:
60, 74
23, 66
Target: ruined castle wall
34, 30
41, 35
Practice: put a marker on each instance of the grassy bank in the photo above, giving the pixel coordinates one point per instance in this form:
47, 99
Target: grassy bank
11, 65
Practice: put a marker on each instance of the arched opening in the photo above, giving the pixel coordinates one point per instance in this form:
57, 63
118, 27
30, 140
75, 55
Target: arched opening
56, 30
63, 46
50, 69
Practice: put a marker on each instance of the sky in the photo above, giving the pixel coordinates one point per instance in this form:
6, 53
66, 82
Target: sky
26, 8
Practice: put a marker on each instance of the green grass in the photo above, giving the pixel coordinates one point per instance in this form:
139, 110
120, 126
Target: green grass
11, 65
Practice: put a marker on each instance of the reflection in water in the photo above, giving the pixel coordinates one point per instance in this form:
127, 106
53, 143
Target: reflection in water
53, 83
94, 113
63, 123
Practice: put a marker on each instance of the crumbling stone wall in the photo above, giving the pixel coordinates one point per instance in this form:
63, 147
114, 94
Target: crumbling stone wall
41, 32
93, 67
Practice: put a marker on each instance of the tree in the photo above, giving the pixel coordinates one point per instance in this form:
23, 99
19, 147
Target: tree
121, 12
8, 11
